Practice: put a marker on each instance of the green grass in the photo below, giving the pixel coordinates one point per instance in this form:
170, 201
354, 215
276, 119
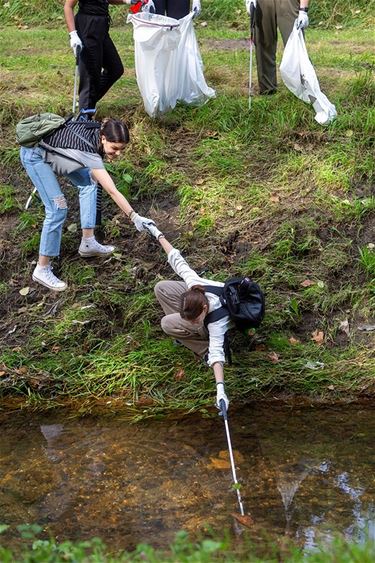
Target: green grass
367, 260
7, 199
266, 192
182, 549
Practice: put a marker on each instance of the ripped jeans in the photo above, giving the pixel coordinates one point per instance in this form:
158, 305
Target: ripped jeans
45, 181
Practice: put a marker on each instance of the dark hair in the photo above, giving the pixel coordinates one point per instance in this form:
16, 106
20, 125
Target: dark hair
114, 130
193, 302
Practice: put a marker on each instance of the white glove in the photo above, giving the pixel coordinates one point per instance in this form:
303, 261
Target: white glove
149, 7
139, 221
152, 229
75, 41
248, 5
196, 7
302, 20
220, 395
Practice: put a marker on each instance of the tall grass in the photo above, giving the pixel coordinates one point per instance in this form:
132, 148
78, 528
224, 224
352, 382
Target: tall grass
324, 12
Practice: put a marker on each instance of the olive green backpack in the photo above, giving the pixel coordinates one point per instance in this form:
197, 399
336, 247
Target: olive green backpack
31, 130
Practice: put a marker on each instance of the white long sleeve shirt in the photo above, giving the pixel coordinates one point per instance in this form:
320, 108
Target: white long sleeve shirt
217, 329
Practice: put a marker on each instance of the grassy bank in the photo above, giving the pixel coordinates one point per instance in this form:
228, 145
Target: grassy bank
182, 550
266, 192
324, 13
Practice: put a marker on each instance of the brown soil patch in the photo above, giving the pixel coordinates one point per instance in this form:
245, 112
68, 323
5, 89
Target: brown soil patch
227, 44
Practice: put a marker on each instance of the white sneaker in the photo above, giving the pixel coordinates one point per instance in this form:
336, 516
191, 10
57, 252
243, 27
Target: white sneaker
91, 247
45, 276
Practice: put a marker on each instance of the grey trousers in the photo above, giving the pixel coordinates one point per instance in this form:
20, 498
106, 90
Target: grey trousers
270, 15
193, 336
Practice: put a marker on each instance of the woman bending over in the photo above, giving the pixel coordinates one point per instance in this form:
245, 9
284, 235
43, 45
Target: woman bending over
75, 151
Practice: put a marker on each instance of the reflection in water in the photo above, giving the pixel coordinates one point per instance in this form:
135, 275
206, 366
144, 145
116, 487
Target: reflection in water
305, 473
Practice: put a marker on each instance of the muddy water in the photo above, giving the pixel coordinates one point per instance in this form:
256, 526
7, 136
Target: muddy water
305, 473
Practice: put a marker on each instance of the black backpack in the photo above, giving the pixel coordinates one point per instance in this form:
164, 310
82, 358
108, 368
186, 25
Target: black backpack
242, 300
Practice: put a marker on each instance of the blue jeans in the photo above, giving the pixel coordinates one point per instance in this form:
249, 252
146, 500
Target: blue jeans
45, 181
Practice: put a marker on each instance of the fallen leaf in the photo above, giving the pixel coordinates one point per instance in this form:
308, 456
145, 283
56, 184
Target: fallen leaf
273, 357
217, 463
200, 181
238, 457
274, 199
24, 291
72, 228
331, 387
318, 337
297, 147
294, 341
307, 283
344, 327
245, 520
2, 373
180, 374
145, 401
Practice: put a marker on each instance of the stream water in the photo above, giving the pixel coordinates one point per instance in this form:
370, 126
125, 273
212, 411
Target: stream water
306, 473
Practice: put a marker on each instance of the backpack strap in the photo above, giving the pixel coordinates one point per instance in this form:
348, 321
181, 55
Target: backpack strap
213, 289
83, 138
219, 313
216, 315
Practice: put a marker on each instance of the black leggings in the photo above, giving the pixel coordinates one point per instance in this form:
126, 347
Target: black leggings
172, 8
100, 64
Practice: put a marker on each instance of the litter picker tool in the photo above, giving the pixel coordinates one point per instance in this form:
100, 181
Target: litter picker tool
252, 45
78, 52
237, 486
30, 199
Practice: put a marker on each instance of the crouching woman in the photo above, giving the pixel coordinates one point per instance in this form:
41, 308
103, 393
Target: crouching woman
186, 304
76, 152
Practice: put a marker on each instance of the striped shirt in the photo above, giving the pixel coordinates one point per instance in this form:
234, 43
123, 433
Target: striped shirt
216, 330
76, 135
73, 146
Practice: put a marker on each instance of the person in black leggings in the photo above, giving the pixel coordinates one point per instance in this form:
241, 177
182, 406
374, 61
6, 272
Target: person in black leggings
100, 65
176, 9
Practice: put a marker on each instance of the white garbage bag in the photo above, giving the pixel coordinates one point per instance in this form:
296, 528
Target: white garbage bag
191, 84
299, 76
167, 62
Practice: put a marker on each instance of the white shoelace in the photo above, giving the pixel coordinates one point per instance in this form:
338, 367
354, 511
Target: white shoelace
50, 277
93, 244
